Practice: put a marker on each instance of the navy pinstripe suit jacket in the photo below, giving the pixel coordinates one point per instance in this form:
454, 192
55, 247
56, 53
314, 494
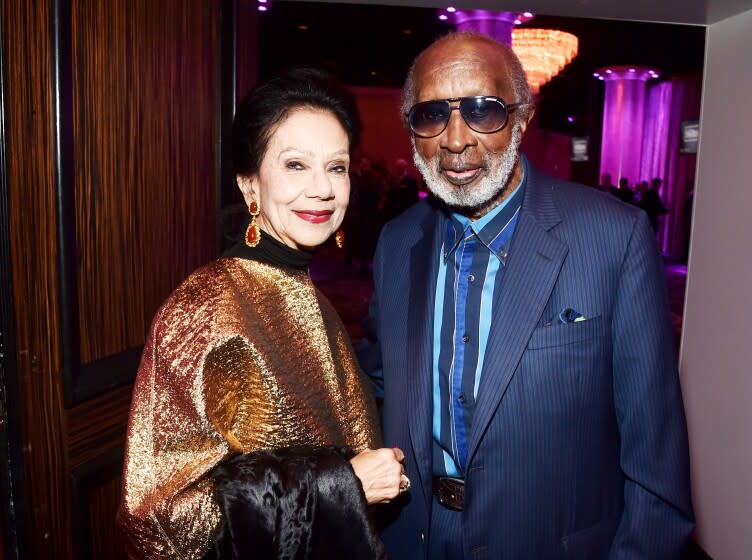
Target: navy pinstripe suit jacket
578, 447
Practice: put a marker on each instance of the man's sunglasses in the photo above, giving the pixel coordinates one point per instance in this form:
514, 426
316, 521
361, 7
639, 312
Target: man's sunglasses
482, 113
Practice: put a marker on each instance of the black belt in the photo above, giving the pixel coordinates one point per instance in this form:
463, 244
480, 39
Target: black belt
449, 491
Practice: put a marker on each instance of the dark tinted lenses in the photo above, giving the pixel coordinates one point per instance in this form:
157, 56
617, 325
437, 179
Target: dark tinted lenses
481, 113
429, 118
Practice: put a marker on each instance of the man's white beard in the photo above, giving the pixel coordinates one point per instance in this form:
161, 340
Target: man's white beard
498, 170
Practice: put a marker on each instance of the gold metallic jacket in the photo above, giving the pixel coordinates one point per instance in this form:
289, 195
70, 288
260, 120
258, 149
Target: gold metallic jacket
242, 356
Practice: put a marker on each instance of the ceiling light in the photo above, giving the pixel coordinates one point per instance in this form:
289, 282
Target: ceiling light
543, 53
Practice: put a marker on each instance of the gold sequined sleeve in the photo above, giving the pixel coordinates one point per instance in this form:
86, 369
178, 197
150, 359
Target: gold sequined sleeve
168, 509
241, 357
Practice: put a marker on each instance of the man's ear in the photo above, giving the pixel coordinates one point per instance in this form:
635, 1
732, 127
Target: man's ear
248, 186
529, 114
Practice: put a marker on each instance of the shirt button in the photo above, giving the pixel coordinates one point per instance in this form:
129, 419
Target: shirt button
465, 337
422, 536
471, 278
462, 398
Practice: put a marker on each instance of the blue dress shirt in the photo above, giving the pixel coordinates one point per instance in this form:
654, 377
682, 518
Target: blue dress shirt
471, 267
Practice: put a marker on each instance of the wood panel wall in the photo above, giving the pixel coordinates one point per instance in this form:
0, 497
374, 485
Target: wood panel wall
32, 221
144, 91
113, 158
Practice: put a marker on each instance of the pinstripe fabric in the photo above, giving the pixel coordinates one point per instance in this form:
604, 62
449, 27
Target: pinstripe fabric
578, 443
445, 544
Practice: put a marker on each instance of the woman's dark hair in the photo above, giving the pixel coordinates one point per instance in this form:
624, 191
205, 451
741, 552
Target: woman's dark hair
271, 101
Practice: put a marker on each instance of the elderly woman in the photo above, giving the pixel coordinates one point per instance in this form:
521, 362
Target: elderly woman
252, 430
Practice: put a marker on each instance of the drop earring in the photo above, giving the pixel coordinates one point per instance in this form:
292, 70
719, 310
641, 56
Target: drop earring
253, 232
339, 238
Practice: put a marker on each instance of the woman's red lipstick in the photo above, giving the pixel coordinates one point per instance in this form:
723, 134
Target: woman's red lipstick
314, 216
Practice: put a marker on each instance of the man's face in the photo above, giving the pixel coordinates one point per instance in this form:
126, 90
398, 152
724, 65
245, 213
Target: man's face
470, 171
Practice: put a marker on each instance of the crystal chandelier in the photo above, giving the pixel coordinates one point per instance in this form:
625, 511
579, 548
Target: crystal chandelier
543, 53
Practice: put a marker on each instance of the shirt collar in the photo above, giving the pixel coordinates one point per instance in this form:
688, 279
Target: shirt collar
488, 227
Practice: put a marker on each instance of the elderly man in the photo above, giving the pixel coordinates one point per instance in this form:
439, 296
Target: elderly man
521, 340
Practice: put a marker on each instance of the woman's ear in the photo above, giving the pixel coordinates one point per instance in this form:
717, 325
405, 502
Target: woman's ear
247, 186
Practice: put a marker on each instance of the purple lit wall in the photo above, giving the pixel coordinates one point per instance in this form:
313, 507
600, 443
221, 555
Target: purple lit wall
623, 121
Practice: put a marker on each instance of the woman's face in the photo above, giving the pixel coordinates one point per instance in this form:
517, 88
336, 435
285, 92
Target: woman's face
303, 185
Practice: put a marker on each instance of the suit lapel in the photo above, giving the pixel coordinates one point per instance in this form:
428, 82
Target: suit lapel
534, 263
422, 277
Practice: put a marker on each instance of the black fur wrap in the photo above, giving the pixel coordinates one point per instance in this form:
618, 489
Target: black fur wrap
301, 503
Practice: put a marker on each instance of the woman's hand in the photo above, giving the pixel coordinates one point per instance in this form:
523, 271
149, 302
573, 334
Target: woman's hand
380, 473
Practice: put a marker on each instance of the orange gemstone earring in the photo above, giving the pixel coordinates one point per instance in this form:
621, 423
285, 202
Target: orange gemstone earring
253, 233
339, 238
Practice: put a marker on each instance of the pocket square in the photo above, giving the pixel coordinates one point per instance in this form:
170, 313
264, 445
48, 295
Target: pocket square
566, 316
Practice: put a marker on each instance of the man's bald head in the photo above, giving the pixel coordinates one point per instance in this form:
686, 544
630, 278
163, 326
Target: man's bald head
461, 46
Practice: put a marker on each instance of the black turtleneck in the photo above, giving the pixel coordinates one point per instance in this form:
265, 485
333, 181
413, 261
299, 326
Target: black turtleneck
271, 251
